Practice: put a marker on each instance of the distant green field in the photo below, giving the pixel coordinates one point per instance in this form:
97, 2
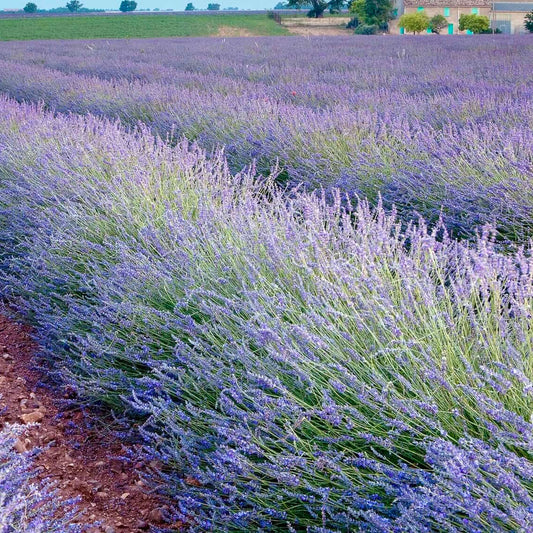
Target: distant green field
137, 26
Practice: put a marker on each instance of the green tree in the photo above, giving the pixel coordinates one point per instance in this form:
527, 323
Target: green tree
30, 7
189, 7
437, 23
74, 5
335, 6
213, 7
528, 22
373, 12
474, 23
128, 5
415, 22
317, 6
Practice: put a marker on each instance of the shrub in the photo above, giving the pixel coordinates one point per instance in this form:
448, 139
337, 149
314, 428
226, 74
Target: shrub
366, 29
528, 22
315, 13
415, 22
474, 23
353, 23
437, 23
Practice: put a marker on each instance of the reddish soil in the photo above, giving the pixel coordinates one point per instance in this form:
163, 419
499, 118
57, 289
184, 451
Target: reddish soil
83, 458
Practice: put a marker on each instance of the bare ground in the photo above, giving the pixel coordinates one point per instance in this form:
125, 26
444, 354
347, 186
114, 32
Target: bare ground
229, 31
82, 457
316, 27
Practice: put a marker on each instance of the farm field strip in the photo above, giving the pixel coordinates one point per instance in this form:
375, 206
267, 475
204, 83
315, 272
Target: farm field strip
298, 364
137, 26
448, 137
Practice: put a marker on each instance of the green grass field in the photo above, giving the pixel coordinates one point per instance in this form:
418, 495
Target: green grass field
138, 26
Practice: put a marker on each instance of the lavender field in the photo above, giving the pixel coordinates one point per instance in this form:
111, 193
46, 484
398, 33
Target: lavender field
350, 351
435, 127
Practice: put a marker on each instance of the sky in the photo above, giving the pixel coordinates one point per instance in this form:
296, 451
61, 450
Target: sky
177, 5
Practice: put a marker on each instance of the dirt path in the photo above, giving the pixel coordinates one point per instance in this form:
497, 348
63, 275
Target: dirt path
327, 26
83, 460
324, 31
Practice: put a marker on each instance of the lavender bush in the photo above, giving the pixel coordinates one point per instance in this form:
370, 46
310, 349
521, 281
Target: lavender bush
299, 364
27, 506
437, 128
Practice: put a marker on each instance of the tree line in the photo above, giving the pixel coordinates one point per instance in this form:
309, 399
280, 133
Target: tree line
74, 6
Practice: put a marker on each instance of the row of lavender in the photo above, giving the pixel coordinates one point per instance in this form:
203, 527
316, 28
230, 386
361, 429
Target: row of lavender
299, 365
433, 126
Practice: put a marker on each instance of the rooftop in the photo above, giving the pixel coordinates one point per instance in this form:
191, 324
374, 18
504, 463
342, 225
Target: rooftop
448, 3
513, 6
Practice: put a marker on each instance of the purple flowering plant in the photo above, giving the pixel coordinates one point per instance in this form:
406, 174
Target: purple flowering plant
310, 362
449, 139
27, 506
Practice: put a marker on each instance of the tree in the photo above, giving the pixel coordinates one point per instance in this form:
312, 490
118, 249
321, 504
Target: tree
373, 12
415, 22
284, 5
213, 7
74, 5
189, 7
335, 6
30, 7
128, 5
437, 23
474, 23
528, 22
317, 6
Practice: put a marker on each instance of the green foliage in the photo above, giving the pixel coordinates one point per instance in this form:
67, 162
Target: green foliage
335, 6
474, 23
437, 23
373, 12
317, 6
528, 21
366, 29
189, 7
128, 5
74, 5
30, 7
213, 7
354, 22
415, 22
